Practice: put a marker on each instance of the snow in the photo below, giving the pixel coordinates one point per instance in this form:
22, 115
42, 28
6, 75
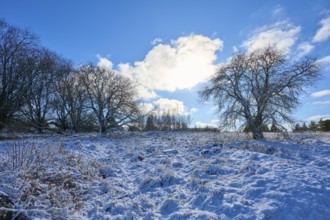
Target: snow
168, 175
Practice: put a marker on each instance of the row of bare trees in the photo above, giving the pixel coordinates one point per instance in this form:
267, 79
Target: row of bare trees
93, 96
42, 90
27, 72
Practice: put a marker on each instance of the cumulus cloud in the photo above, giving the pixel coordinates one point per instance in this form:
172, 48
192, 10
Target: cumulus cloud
164, 105
146, 108
282, 35
104, 62
172, 106
318, 117
156, 41
182, 64
143, 91
321, 93
192, 110
215, 121
321, 103
325, 60
323, 33
213, 109
200, 124
304, 49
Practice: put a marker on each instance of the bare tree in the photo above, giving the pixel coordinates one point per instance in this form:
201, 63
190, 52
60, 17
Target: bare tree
17, 63
60, 114
150, 123
111, 97
49, 68
70, 104
260, 88
167, 120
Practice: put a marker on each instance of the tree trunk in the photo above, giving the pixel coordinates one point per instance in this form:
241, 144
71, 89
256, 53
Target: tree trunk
257, 133
102, 128
3, 121
256, 127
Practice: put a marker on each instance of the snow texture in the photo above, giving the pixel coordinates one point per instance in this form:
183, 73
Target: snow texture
164, 175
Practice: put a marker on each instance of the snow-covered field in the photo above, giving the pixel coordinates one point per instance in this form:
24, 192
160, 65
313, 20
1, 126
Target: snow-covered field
158, 175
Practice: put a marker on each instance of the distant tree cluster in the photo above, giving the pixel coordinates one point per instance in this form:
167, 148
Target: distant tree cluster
166, 121
40, 89
322, 125
205, 129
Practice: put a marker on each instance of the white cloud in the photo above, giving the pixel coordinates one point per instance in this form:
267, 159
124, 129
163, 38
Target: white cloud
304, 49
282, 35
104, 62
182, 64
215, 122
278, 10
192, 110
156, 41
143, 92
214, 34
324, 32
213, 109
200, 124
146, 108
321, 93
164, 105
325, 60
318, 117
172, 106
321, 103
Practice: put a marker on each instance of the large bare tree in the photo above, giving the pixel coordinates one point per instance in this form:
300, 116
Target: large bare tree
71, 101
111, 97
18, 53
259, 88
49, 68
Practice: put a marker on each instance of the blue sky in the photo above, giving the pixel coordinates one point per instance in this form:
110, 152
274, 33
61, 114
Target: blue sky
171, 46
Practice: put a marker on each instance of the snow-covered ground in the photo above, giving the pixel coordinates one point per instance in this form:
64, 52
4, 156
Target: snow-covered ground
158, 175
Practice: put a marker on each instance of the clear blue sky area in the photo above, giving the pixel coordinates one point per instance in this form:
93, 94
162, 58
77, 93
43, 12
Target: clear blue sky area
135, 37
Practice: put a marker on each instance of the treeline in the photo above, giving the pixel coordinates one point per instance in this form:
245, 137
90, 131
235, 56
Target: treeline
322, 125
39, 89
168, 121
158, 120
